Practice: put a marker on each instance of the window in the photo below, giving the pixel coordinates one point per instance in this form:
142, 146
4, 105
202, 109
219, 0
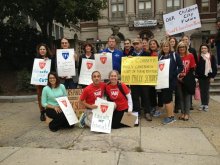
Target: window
173, 5
145, 8
204, 5
117, 8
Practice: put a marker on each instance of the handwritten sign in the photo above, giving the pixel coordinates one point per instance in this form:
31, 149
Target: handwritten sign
40, 71
103, 63
73, 96
163, 74
65, 62
102, 116
67, 110
139, 70
87, 67
182, 20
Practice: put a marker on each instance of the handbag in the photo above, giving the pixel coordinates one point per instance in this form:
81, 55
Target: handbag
197, 95
189, 83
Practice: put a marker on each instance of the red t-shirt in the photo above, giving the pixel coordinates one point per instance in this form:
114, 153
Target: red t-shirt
91, 92
188, 63
117, 96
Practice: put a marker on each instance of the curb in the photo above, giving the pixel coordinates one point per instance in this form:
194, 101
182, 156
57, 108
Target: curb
17, 99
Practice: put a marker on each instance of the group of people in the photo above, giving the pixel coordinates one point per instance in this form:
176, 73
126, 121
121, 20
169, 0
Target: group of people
186, 71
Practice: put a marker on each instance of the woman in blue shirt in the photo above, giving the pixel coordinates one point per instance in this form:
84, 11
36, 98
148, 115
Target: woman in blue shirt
50, 92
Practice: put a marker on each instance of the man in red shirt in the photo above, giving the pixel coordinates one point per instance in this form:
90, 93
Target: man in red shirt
88, 97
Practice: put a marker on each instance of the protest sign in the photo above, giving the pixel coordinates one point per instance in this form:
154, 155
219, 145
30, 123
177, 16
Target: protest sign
73, 96
139, 70
163, 74
40, 71
65, 62
103, 63
128, 119
67, 110
102, 116
87, 67
182, 20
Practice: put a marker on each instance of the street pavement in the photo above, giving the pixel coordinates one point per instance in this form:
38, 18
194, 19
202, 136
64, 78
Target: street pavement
25, 140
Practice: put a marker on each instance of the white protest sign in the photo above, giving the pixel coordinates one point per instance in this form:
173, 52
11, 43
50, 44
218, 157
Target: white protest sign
182, 20
163, 74
103, 63
65, 62
67, 110
87, 67
40, 71
102, 116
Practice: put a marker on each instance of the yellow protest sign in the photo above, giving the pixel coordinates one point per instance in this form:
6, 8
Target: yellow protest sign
139, 70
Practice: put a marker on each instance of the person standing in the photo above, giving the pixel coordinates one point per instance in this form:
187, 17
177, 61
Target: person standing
116, 54
189, 67
176, 67
50, 92
140, 91
120, 94
89, 54
128, 48
43, 52
217, 41
206, 71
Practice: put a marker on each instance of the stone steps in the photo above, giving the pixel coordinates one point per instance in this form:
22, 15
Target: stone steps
215, 86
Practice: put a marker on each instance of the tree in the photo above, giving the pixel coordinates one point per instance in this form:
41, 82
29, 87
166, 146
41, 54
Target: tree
44, 12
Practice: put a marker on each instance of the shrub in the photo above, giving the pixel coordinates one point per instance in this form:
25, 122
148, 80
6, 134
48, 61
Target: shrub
23, 80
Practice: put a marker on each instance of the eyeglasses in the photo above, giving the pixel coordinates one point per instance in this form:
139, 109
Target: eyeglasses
64, 43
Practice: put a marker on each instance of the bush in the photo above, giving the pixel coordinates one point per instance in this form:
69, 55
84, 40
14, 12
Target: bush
23, 80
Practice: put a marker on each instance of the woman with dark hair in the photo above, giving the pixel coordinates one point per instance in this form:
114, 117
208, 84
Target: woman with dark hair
50, 92
43, 52
206, 71
173, 43
88, 54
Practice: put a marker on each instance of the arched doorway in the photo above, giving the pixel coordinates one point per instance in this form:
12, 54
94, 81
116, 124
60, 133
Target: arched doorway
146, 34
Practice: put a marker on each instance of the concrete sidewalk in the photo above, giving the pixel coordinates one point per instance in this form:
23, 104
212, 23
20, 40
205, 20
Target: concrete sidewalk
26, 140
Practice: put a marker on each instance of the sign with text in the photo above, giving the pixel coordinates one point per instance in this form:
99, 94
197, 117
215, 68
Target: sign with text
103, 63
73, 96
102, 116
66, 63
145, 23
139, 70
67, 110
40, 71
87, 67
182, 20
163, 74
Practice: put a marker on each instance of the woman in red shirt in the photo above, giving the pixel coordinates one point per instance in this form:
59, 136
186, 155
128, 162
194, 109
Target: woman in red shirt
189, 66
122, 98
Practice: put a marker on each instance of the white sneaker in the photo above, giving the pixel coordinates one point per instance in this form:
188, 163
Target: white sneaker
206, 108
201, 107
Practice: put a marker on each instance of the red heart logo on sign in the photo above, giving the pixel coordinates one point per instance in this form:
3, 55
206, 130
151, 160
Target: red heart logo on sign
42, 64
64, 102
103, 59
104, 108
89, 65
161, 66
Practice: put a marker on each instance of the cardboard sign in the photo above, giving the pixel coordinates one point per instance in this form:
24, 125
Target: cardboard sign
73, 96
182, 20
163, 74
103, 63
128, 119
139, 70
87, 67
40, 71
67, 110
66, 63
102, 116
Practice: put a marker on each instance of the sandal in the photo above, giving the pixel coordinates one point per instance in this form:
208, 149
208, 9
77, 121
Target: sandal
182, 117
186, 118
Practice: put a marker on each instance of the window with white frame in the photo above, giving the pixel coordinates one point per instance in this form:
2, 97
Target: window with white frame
145, 8
117, 8
205, 5
173, 5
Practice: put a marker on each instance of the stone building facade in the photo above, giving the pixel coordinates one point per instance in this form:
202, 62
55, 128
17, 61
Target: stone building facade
125, 18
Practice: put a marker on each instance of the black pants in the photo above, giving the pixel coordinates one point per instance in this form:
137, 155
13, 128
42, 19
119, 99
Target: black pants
204, 85
116, 119
137, 92
59, 119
